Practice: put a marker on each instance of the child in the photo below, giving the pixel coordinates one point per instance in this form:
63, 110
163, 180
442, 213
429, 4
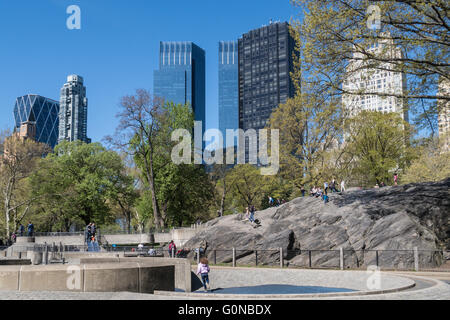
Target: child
203, 270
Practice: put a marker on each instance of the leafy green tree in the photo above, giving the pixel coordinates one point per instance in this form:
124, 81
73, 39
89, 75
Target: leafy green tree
331, 32
78, 182
432, 164
19, 160
379, 146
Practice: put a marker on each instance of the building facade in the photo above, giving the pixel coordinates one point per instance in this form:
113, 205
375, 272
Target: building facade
73, 111
228, 88
36, 117
181, 77
265, 63
444, 113
376, 78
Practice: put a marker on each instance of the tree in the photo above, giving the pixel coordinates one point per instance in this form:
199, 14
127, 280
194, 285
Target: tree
432, 164
378, 145
139, 127
309, 125
248, 185
18, 162
123, 194
78, 182
333, 31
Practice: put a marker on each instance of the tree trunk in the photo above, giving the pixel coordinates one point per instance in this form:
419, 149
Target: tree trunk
151, 182
222, 202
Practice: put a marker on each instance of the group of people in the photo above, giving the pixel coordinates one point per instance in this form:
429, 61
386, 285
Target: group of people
21, 232
250, 213
91, 230
275, 202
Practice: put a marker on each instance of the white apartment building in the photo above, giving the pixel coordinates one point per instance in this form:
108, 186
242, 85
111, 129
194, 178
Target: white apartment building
364, 76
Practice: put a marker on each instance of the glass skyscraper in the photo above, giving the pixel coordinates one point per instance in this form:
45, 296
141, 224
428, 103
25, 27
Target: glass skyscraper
181, 76
42, 113
73, 111
265, 62
228, 88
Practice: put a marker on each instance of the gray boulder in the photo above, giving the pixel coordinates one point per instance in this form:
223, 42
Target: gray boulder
361, 221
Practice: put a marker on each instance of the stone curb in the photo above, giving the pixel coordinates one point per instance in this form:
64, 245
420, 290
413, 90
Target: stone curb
288, 296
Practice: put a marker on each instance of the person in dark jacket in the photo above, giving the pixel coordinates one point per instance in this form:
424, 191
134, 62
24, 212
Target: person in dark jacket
30, 229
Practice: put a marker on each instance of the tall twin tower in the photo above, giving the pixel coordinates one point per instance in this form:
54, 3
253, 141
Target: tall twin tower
254, 76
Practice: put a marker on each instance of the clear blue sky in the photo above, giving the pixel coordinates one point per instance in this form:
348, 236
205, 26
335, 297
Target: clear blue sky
116, 49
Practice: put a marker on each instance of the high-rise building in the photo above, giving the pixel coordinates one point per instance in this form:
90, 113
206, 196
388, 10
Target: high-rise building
73, 111
36, 117
181, 76
265, 62
228, 88
444, 112
363, 77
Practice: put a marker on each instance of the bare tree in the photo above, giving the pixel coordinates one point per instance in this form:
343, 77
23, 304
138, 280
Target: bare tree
138, 135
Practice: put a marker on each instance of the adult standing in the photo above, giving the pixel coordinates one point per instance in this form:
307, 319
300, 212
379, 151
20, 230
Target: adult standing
302, 190
172, 248
325, 187
21, 230
395, 178
93, 229
88, 233
342, 185
30, 229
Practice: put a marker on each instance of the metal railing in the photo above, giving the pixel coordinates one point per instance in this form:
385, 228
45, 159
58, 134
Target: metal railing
404, 260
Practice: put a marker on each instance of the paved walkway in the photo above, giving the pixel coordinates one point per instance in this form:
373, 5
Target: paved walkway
426, 288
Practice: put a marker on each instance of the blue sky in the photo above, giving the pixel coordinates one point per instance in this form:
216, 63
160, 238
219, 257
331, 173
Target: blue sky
116, 49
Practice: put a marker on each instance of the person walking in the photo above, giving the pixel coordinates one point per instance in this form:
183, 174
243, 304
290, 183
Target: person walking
342, 186
395, 179
203, 270
325, 187
30, 229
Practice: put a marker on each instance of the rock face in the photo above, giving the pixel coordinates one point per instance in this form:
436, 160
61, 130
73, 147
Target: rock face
359, 222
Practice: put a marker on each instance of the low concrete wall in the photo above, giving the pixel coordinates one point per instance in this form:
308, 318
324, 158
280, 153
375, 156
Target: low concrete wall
107, 277
182, 266
126, 238
181, 236
65, 240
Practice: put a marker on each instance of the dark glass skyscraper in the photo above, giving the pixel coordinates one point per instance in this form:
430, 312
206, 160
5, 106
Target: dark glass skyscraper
40, 111
265, 62
181, 76
228, 87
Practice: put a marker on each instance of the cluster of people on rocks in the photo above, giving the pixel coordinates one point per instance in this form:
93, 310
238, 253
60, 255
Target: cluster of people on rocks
275, 202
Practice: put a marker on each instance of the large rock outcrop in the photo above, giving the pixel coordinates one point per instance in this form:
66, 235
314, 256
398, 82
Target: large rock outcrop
390, 218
